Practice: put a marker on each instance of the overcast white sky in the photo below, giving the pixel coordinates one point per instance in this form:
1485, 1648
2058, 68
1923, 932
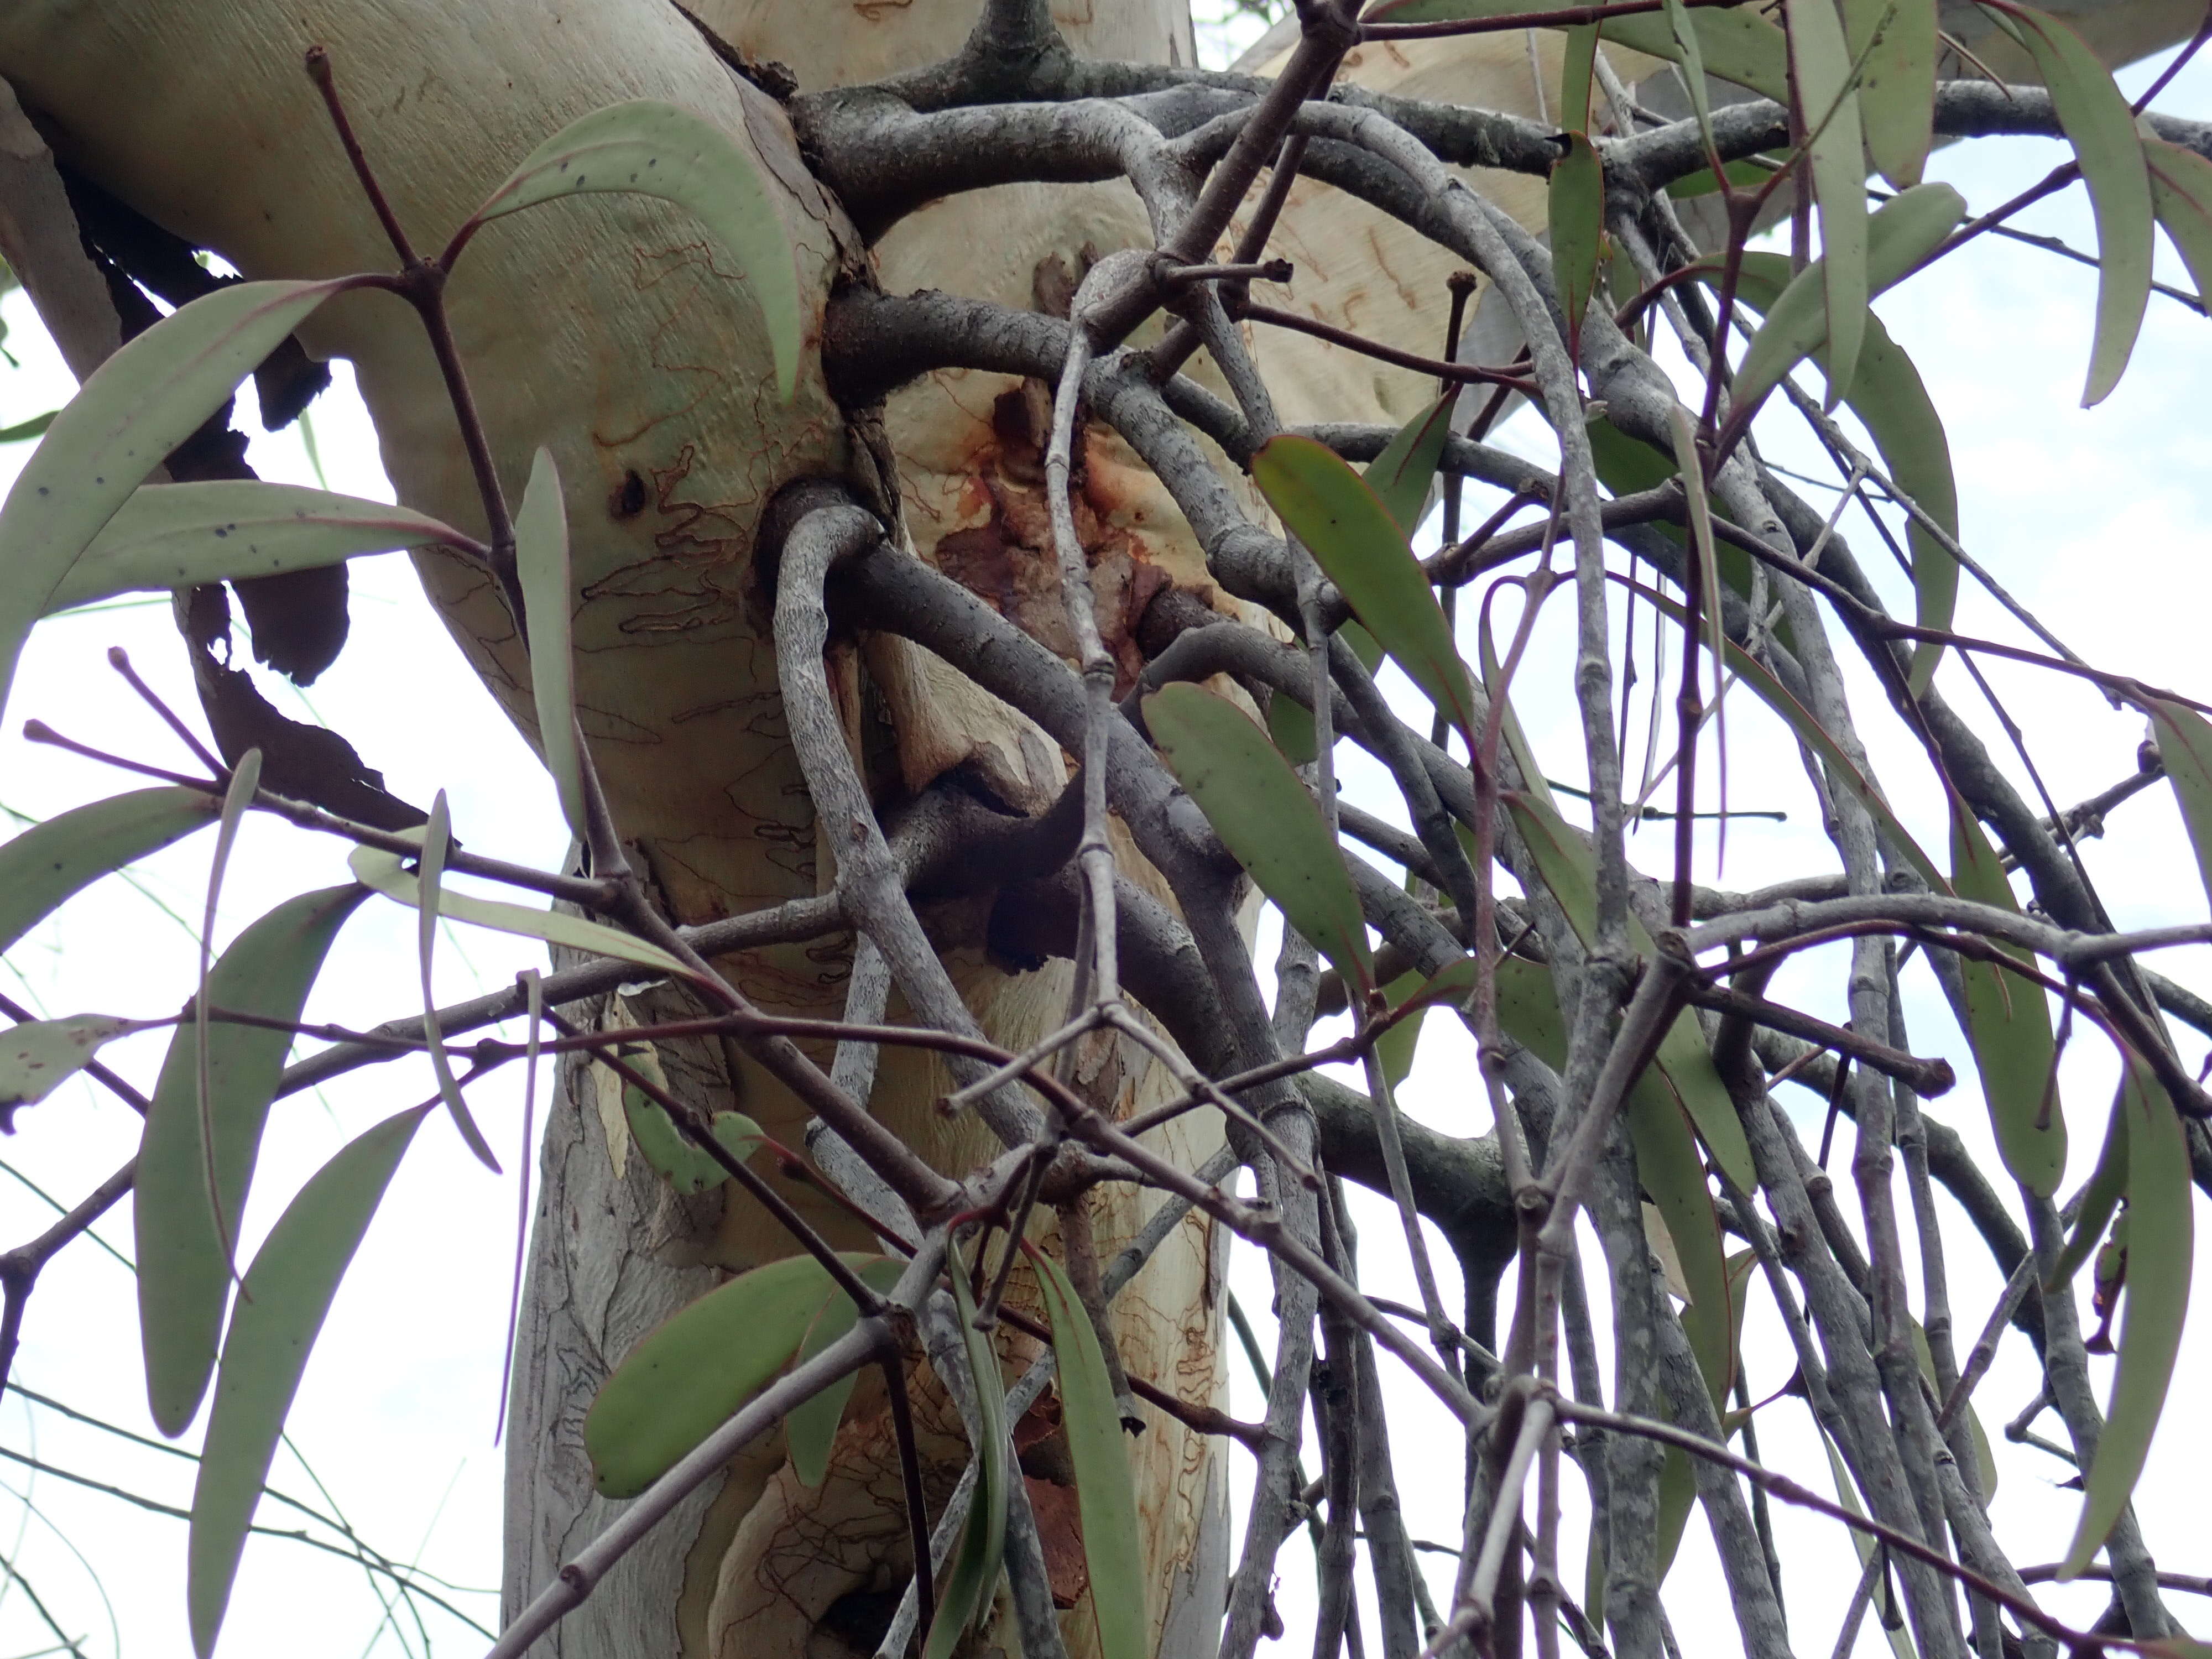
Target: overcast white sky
2097, 520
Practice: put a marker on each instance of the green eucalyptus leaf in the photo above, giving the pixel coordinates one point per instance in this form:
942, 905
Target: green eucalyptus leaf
1578, 69
1394, 1048
1895, 39
436, 839
386, 872
541, 559
811, 1429
652, 148
686, 1378
1689, 52
184, 535
287, 1295
1667, 1163
2184, 742
2008, 1023
1291, 729
2161, 1246
23, 431
1717, 1339
1746, 174
1264, 817
1909, 227
1578, 221
688, 1169
1690, 469
184, 1272
1736, 43
1351, 535
138, 406
1892, 402
2181, 194
245, 782
1822, 60
1733, 44
967, 1591
1113, 1540
1290, 722
1406, 470
1678, 1496
1685, 1079
1985, 1463
52, 862
2100, 1194
39, 1055
1900, 1634
2095, 115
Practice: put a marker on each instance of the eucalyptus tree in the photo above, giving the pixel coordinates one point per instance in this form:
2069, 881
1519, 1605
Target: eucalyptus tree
877, 462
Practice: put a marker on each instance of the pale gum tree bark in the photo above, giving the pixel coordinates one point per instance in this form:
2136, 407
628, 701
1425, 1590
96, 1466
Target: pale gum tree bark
607, 330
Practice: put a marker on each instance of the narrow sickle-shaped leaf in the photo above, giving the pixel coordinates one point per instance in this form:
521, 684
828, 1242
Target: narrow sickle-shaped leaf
38, 1056
1577, 70
2008, 1023
1345, 526
1892, 402
1692, 472
1577, 221
1900, 1637
974, 1577
1394, 1048
1113, 1543
2095, 115
374, 867
1908, 227
138, 406
245, 781
811, 1430
50, 862
1897, 86
1666, 1162
2181, 194
184, 1278
169, 536
1984, 1460
1690, 51
1685, 1077
287, 1294
2100, 1194
2161, 1246
2184, 742
437, 838
541, 558
1831, 105
654, 148
1264, 817
1735, 44
683, 1381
